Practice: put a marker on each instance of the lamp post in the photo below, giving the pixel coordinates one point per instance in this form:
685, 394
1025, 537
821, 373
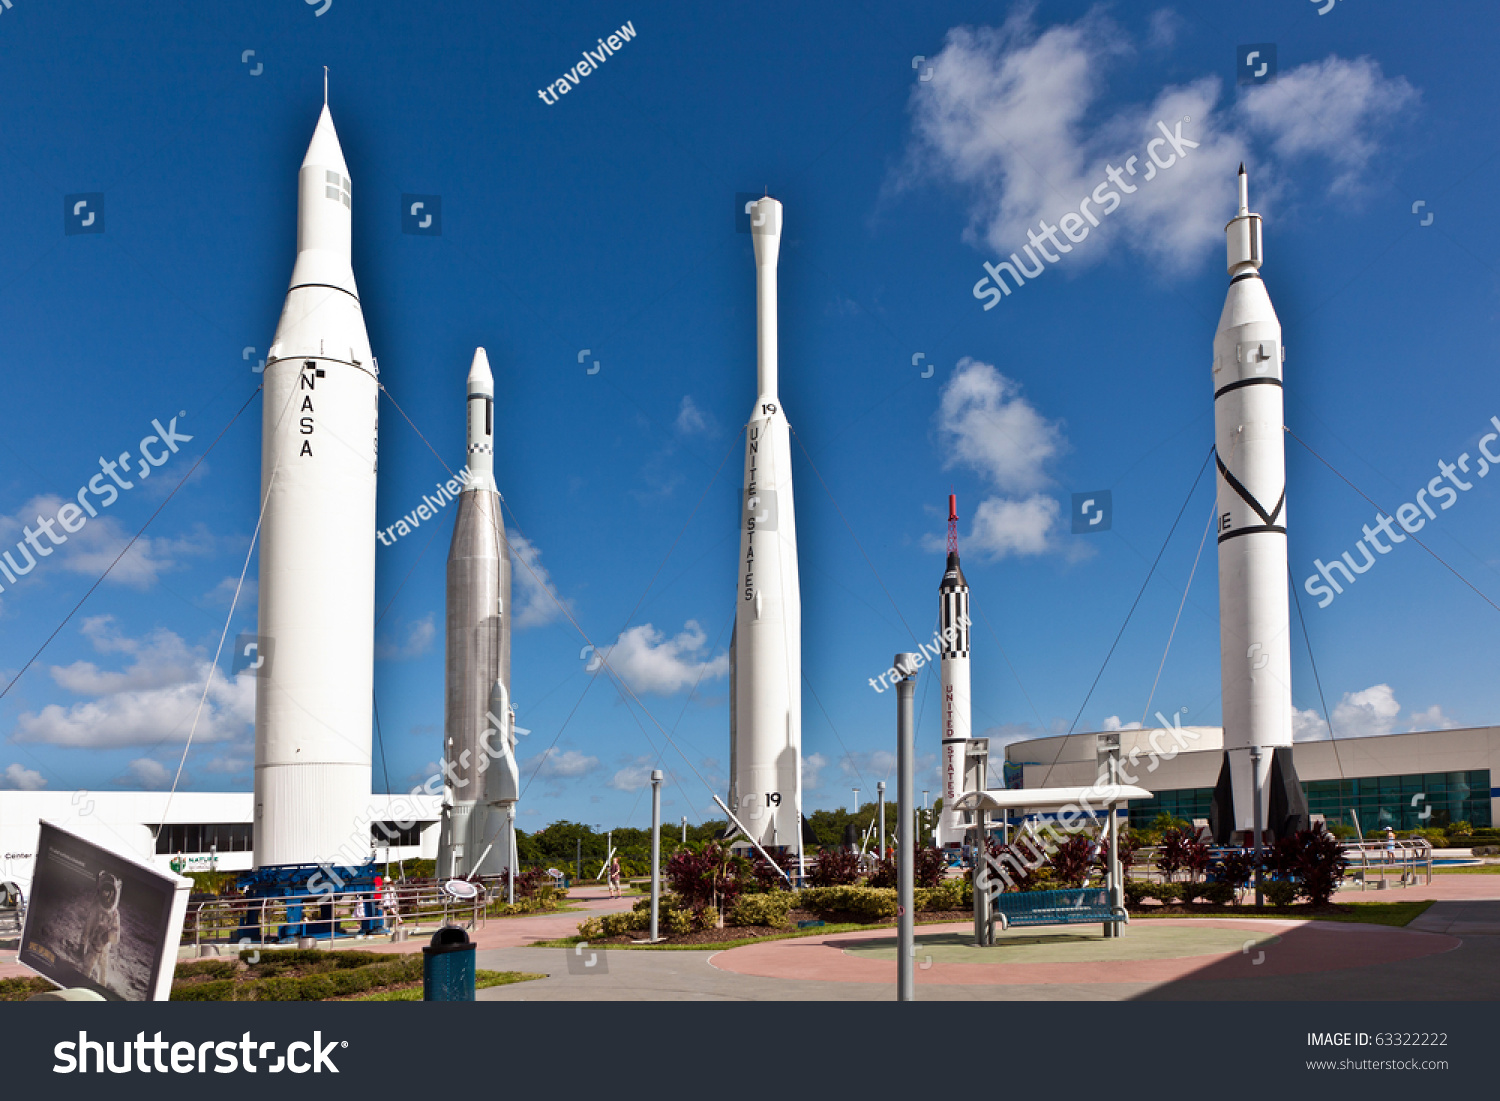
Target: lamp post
655, 848
856, 800
1260, 897
906, 948
880, 798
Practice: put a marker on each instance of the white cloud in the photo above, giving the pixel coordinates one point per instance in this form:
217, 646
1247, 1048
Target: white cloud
1331, 108
985, 424
1366, 714
91, 548
1003, 527
533, 597
1308, 726
151, 775
1369, 713
649, 662
222, 594
564, 764
1113, 723
1013, 115
635, 775
150, 702
18, 777
691, 420
812, 771
1431, 719
418, 641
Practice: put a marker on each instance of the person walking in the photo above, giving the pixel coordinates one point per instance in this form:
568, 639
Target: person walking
614, 877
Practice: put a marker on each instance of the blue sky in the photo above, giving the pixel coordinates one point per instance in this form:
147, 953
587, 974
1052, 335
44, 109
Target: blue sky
605, 222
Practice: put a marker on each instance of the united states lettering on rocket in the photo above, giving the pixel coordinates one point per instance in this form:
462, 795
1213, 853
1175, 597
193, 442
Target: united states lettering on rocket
765, 792
317, 560
478, 720
1255, 651
953, 617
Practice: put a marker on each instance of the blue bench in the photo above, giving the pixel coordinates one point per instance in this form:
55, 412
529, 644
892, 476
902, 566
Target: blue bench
1078, 906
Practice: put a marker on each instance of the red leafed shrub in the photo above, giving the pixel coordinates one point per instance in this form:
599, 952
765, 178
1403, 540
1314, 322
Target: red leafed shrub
1072, 860
834, 868
927, 869
708, 876
1181, 852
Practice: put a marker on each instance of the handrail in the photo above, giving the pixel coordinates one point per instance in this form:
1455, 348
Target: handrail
413, 903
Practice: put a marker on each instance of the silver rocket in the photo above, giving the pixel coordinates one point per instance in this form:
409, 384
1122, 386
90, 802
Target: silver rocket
953, 620
765, 790
478, 721
317, 560
1255, 651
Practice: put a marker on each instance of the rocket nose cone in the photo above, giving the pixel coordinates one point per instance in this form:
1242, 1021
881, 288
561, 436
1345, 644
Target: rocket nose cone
324, 150
480, 374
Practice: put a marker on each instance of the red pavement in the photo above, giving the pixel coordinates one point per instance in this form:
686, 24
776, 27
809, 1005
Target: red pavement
1305, 946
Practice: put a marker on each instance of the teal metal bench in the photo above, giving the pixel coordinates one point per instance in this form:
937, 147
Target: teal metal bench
1078, 906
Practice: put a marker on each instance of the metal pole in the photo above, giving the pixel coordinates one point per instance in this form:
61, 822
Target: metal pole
976, 768
578, 862
1260, 895
856, 800
510, 891
906, 947
684, 829
655, 849
926, 817
880, 798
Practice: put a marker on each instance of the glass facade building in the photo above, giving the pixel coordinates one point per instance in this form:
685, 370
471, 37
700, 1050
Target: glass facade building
1402, 802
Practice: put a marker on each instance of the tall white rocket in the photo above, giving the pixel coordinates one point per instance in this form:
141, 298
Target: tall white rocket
1255, 650
478, 722
953, 621
765, 790
317, 557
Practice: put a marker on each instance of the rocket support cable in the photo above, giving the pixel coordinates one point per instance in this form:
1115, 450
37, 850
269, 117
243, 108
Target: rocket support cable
126, 549
1134, 604
1327, 716
1213, 509
1383, 512
567, 614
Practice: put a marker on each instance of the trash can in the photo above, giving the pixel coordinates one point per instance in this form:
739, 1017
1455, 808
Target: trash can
448, 967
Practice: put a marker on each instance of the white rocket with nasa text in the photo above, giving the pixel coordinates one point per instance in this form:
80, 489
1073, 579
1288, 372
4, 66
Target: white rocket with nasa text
317, 560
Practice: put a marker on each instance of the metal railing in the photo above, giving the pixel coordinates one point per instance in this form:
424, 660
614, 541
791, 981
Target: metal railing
1410, 857
348, 914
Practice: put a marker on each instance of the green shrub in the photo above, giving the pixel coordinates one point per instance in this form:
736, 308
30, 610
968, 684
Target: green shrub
769, 908
1282, 892
591, 928
947, 895
860, 903
1219, 892
671, 918
632, 921
1165, 893
1136, 891
1190, 891
221, 990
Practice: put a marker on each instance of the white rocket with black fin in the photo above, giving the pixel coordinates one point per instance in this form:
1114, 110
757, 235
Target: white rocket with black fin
953, 623
478, 721
1254, 623
765, 790
317, 557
